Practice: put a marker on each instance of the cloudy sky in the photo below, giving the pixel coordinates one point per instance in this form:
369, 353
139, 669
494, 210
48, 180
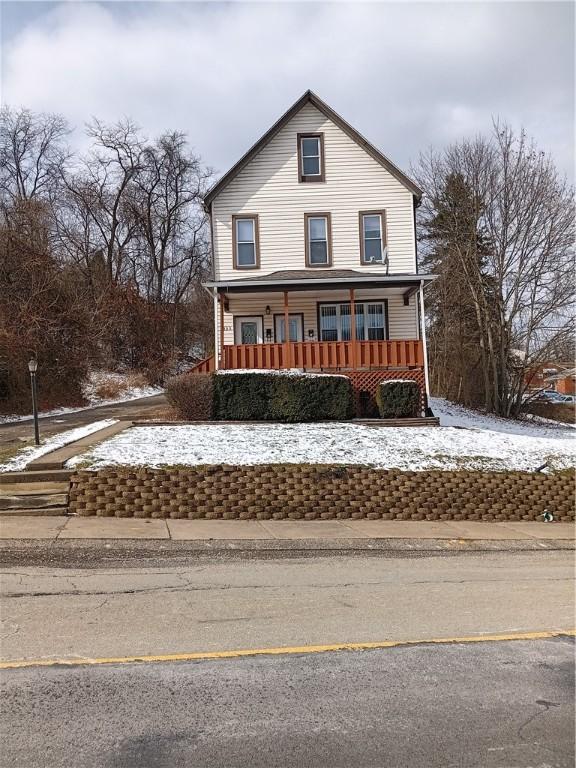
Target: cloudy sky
406, 75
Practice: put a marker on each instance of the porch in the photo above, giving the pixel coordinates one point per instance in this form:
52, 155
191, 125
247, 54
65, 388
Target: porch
325, 355
329, 320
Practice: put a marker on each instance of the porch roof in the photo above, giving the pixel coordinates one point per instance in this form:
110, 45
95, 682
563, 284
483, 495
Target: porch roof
312, 279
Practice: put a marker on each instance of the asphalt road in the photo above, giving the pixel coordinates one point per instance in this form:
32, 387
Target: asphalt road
221, 604
18, 432
484, 705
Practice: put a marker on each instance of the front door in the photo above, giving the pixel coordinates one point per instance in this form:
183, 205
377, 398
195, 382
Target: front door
295, 323
248, 330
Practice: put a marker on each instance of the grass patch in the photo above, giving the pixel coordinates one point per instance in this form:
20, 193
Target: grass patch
9, 452
86, 463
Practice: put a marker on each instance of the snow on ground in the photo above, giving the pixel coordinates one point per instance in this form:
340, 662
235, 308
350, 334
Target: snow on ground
452, 415
408, 448
26, 455
283, 372
96, 379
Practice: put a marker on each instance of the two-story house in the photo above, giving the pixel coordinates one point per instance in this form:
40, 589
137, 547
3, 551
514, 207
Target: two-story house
313, 230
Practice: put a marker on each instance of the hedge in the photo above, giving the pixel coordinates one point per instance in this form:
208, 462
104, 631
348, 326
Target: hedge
282, 397
398, 399
192, 395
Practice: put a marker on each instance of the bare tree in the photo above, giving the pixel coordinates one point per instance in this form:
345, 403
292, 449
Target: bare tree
112, 245
33, 153
43, 312
522, 291
166, 203
101, 187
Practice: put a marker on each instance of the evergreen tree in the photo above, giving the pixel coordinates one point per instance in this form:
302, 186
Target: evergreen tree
456, 243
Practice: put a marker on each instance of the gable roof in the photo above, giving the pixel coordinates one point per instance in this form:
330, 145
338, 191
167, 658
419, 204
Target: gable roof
310, 98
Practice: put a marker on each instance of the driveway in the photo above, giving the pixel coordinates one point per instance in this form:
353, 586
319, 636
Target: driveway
23, 431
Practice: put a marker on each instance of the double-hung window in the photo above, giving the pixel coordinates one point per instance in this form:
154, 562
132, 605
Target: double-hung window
245, 241
372, 237
311, 157
318, 239
336, 321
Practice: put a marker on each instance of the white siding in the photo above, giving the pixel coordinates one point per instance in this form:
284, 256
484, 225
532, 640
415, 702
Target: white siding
402, 321
269, 186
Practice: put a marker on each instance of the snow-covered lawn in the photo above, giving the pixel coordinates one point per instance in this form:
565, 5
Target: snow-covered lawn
26, 455
484, 444
452, 415
96, 380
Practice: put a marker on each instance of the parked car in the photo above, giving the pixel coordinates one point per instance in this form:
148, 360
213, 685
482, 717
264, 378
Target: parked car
548, 396
568, 399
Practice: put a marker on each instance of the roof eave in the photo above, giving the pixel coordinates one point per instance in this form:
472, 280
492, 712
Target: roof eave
315, 281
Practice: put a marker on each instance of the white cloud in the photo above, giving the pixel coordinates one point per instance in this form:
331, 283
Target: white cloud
407, 75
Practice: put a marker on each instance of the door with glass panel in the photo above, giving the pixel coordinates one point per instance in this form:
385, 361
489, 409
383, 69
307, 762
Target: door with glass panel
336, 321
248, 330
295, 325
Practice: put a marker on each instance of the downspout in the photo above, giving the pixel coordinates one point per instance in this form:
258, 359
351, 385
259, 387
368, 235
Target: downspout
424, 344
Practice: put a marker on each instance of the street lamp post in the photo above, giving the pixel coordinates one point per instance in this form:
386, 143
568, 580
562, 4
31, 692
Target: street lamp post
33, 367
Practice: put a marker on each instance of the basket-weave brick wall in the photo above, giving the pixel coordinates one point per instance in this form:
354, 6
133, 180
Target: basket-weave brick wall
314, 492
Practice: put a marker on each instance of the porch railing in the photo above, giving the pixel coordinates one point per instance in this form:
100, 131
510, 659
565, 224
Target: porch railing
326, 355
204, 366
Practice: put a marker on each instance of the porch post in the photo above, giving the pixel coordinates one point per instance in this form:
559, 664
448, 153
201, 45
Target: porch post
353, 327
423, 339
216, 344
222, 353
287, 355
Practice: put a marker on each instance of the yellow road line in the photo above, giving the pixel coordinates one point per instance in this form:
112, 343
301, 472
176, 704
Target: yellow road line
203, 655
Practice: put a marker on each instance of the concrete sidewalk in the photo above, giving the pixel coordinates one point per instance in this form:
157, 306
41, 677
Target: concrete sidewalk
112, 528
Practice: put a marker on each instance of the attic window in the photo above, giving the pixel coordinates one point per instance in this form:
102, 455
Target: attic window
311, 157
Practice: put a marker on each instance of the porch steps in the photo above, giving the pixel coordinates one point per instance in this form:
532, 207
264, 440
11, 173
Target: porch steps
423, 421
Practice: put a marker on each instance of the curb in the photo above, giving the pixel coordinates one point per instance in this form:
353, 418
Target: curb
162, 547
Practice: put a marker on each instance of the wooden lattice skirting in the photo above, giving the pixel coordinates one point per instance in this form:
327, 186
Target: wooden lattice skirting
365, 384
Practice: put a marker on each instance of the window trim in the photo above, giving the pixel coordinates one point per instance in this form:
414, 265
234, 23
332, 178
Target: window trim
383, 235
357, 301
318, 215
240, 217
317, 178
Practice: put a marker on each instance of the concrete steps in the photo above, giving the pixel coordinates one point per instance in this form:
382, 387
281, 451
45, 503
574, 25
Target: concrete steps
34, 493
42, 512
36, 476
33, 500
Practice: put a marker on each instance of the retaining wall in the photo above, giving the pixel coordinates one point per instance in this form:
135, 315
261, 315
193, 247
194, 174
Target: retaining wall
315, 492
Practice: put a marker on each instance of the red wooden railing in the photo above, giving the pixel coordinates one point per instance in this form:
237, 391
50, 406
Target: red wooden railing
204, 366
332, 355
